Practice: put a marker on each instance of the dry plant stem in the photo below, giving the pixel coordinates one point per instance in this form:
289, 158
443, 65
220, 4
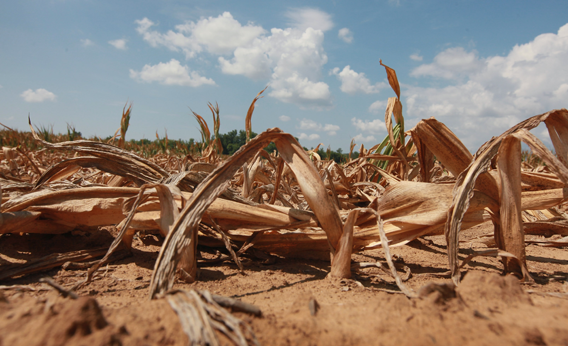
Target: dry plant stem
553, 163
34, 167
278, 179
451, 152
106, 151
550, 243
511, 235
169, 211
393, 80
407, 291
237, 305
119, 238
248, 119
47, 197
558, 130
250, 242
341, 263
183, 237
332, 188
463, 190
14, 222
109, 163
51, 261
228, 324
313, 189
424, 156
394, 107
546, 228
23, 288
228, 245
64, 292
200, 315
193, 319
497, 253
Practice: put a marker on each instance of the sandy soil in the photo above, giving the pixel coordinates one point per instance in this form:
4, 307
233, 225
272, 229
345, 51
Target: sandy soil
486, 309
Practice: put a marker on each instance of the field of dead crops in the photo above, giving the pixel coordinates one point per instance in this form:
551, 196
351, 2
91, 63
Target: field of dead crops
415, 241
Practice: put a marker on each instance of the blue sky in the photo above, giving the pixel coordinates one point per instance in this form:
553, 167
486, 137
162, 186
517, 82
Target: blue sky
478, 66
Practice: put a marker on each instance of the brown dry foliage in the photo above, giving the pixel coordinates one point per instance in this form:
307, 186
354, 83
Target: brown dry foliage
292, 203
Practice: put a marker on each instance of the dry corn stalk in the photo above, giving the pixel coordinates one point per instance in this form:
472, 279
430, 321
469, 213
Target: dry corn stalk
463, 191
295, 203
183, 237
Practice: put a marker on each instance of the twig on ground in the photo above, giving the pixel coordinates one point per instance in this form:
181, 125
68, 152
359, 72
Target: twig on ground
63, 291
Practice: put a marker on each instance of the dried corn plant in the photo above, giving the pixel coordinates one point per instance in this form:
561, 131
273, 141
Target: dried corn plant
201, 316
293, 202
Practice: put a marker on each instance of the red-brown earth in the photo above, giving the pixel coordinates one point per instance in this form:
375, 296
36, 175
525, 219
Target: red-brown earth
488, 308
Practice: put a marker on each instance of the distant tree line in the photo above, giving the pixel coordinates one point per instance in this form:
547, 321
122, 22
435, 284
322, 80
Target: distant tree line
233, 140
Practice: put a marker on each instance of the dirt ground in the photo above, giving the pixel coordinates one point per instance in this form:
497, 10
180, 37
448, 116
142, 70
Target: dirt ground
486, 309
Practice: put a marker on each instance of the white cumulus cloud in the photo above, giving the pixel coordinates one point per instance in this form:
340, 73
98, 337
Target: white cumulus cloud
291, 59
377, 107
416, 57
311, 137
303, 18
346, 35
331, 129
284, 118
372, 126
365, 139
85, 42
217, 35
39, 95
170, 73
354, 83
308, 124
488, 95
452, 63
118, 44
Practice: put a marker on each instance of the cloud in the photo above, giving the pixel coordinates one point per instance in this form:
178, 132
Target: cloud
252, 62
284, 118
301, 91
453, 63
307, 124
85, 42
291, 59
304, 18
354, 83
361, 138
346, 35
118, 44
310, 137
217, 35
39, 95
377, 107
489, 95
331, 129
373, 126
171, 73
416, 57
